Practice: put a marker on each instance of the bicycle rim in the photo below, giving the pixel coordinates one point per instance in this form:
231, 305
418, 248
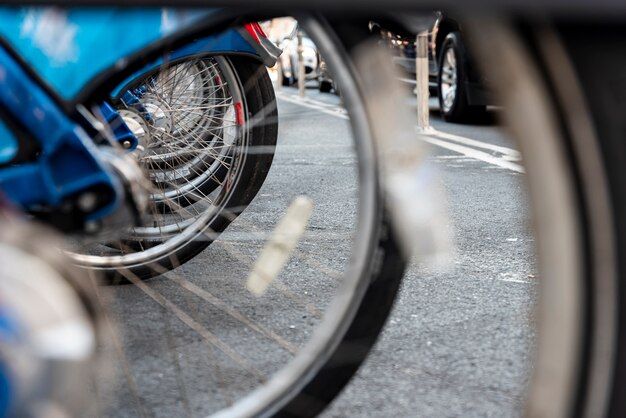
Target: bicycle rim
346, 247
193, 157
570, 196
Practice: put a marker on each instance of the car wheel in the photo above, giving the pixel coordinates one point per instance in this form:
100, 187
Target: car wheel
293, 80
284, 80
451, 82
326, 86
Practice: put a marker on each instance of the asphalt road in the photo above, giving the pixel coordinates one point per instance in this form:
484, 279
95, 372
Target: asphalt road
457, 344
459, 341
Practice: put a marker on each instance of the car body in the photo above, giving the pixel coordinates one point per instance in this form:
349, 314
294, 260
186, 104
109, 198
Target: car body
326, 81
451, 67
475, 84
289, 60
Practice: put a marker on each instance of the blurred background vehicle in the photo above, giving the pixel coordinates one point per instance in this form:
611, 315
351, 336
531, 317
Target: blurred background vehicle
289, 59
454, 76
460, 86
284, 32
327, 83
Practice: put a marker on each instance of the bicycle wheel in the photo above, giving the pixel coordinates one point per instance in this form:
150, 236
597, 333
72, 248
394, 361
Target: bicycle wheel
574, 159
189, 128
558, 78
205, 330
205, 157
43, 298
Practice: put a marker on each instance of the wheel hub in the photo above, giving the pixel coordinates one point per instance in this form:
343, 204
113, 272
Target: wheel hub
151, 127
138, 126
449, 80
159, 116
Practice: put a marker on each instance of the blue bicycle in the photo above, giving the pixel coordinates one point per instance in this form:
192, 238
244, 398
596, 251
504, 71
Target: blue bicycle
186, 119
147, 132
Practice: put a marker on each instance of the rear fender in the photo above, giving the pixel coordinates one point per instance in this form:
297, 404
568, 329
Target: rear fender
249, 40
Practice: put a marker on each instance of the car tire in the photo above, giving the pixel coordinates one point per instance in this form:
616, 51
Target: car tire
285, 81
451, 83
326, 86
293, 80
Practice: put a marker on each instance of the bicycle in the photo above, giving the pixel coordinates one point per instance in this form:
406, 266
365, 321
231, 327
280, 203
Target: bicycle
359, 282
51, 328
194, 136
573, 155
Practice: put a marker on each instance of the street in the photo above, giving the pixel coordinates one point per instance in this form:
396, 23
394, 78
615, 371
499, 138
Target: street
458, 342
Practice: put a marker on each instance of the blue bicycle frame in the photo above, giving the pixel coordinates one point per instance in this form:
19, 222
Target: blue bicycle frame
67, 50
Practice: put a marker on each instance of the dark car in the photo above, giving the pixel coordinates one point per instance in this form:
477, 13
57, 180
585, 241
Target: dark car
327, 82
453, 74
461, 88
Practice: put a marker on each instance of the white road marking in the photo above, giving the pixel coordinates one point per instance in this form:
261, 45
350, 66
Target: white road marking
473, 153
510, 280
313, 104
441, 139
512, 277
407, 80
448, 157
479, 144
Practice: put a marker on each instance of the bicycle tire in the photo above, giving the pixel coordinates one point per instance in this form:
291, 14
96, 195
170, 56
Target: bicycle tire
254, 161
577, 186
602, 368
358, 311
549, 73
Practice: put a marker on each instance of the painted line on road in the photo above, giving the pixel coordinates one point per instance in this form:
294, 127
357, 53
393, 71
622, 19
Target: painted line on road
441, 139
407, 80
473, 153
314, 104
513, 154
515, 281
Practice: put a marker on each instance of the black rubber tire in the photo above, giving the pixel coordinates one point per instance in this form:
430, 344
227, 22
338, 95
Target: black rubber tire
286, 82
326, 86
385, 279
374, 282
385, 273
461, 110
261, 103
599, 71
293, 80
578, 86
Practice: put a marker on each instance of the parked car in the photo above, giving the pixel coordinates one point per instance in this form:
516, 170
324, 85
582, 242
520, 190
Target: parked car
453, 74
327, 83
289, 60
461, 88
